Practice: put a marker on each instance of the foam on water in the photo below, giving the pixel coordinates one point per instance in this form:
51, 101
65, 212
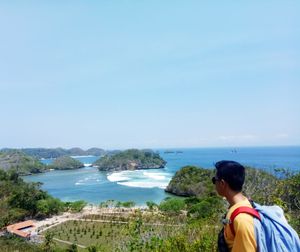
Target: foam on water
89, 180
144, 184
157, 176
117, 176
141, 178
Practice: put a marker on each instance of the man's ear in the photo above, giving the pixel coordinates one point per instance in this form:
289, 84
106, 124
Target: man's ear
223, 183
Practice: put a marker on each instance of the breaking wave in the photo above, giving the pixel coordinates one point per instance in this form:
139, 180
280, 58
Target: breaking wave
89, 180
141, 178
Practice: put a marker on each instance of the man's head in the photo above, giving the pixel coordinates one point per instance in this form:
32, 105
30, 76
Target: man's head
232, 173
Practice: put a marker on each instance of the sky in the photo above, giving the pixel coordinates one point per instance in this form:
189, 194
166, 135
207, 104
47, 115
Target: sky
149, 74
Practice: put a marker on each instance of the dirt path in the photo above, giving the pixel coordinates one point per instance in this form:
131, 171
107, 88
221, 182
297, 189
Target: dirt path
126, 222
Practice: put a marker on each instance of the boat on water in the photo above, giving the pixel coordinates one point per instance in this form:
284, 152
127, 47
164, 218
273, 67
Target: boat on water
169, 151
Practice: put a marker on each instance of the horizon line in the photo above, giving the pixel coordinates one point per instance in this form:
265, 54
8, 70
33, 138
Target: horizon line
158, 148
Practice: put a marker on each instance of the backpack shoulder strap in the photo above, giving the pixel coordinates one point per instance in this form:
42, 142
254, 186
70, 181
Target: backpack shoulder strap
243, 209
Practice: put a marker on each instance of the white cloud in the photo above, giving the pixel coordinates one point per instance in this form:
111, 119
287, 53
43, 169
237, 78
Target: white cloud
238, 138
282, 135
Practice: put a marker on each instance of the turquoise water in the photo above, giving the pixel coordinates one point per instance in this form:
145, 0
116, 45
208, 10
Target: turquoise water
148, 185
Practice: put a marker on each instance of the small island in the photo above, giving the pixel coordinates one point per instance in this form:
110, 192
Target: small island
191, 181
65, 163
196, 181
132, 159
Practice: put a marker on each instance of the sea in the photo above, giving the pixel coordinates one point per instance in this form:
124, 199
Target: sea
140, 186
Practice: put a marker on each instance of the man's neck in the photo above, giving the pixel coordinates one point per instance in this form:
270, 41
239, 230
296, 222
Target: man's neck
234, 197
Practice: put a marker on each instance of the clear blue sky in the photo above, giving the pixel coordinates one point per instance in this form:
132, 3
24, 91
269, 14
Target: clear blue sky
122, 74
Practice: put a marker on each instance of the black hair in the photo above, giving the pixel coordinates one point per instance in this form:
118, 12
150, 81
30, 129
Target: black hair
232, 172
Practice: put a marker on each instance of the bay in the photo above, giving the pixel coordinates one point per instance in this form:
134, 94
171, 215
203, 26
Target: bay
141, 186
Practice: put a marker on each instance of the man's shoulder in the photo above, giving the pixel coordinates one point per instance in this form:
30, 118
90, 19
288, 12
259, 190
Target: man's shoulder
237, 205
244, 218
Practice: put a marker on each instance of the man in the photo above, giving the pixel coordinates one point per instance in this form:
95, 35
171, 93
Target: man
229, 180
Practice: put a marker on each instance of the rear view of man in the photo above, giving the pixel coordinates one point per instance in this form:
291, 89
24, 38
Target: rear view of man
229, 180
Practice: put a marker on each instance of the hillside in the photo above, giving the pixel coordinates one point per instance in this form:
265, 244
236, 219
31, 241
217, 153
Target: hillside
20, 200
19, 161
175, 224
194, 181
191, 181
66, 163
130, 160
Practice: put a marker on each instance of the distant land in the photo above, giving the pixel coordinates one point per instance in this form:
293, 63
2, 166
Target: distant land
27, 161
66, 163
132, 159
58, 152
24, 164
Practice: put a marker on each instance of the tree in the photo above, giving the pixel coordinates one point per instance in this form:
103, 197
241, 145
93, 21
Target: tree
92, 248
151, 205
76, 206
48, 242
72, 248
172, 205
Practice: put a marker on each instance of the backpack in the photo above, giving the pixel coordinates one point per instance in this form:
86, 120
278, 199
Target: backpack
222, 246
272, 232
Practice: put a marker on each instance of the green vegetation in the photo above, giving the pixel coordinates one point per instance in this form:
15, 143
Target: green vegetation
282, 188
187, 224
117, 204
172, 205
192, 181
12, 244
20, 162
75, 206
65, 163
151, 205
170, 229
19, 200
58, 152
130, 160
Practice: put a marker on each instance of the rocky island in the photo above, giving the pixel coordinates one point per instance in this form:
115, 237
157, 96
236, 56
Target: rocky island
191, 181
196, 181
132, 159
20, 162
65, 163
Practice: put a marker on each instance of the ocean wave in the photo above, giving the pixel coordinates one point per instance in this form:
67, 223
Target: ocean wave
117, 176
144, 184
141, 178
157, 176
88, 180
